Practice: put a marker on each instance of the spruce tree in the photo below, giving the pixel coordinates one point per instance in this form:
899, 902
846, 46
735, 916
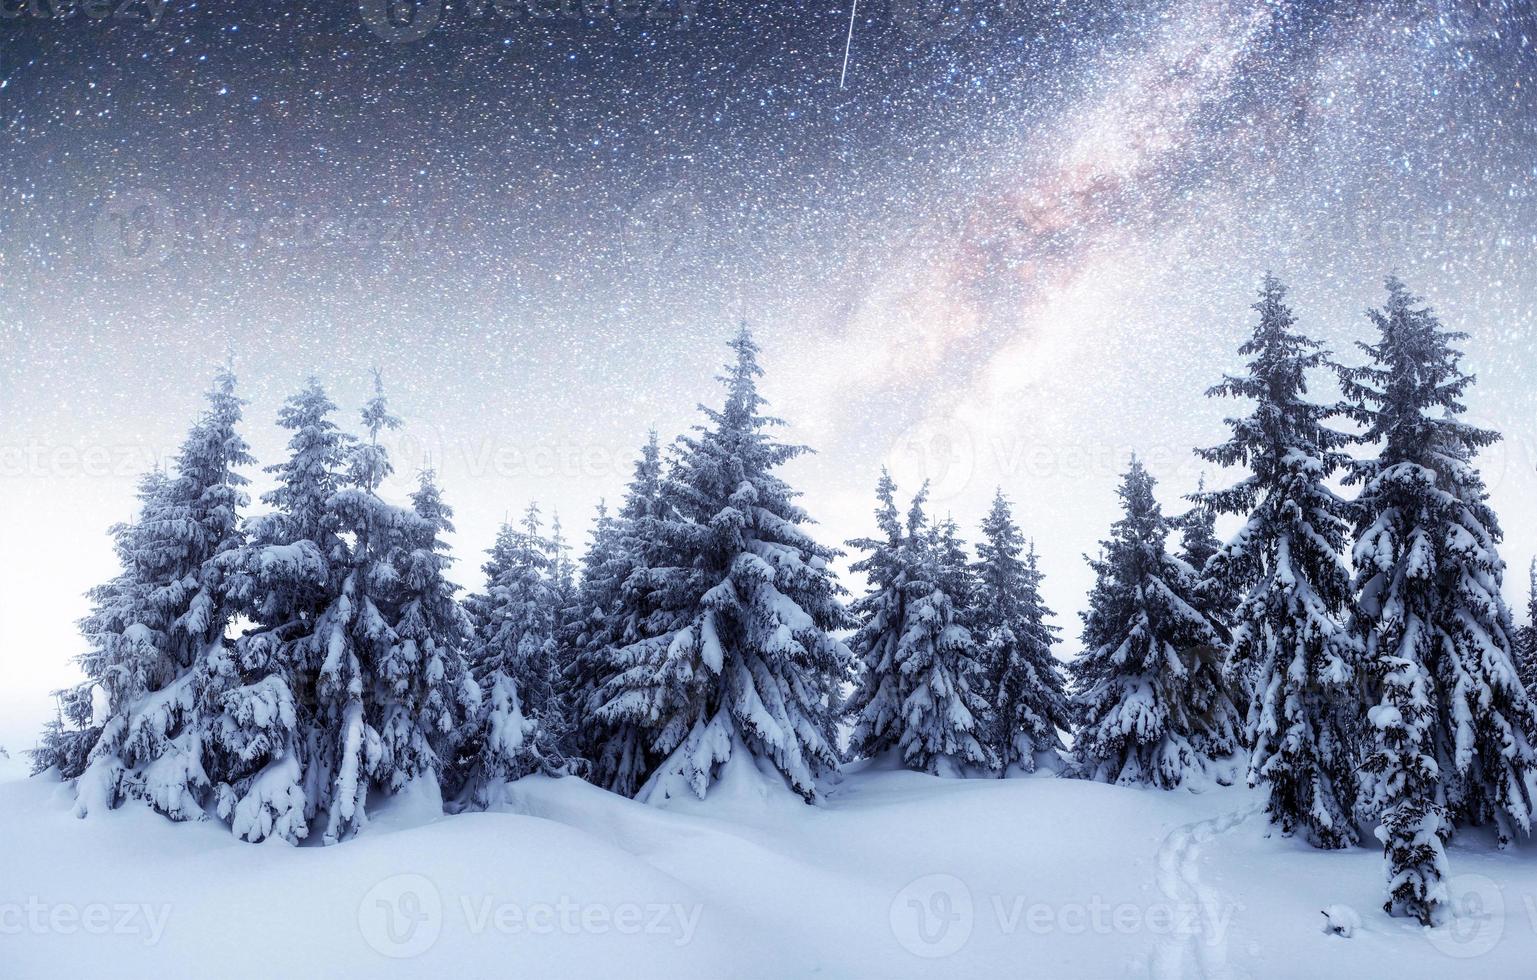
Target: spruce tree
918, 689
65, 744
1149, 697
585, 638
1024, 681
351, 638
1527, 637
1290, 645
68, 740
1198, 545
1454, 726
742, 664
154, 626
384, 705
618, 615
358, 680
283, 581
562, 574
429, 690
512, 656
875, 706
1198, 531
1214, 597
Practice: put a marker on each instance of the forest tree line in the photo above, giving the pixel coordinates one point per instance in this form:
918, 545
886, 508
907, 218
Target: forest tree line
276, 671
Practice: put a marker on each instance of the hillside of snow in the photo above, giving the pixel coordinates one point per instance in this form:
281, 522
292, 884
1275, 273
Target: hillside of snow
897, 875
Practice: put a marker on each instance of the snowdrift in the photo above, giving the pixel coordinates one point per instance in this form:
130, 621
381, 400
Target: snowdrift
897, 875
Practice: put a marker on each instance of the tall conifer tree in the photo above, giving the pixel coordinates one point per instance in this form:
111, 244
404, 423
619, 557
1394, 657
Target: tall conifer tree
1455, 727
742, 664
1291, 647
1149, 694
1024, 680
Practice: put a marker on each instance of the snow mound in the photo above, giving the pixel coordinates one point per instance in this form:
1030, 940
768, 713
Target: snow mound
1341, 920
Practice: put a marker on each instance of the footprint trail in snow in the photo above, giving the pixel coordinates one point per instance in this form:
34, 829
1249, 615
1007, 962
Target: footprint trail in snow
1196, 947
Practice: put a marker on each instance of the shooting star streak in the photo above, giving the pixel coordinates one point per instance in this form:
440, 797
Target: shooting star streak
848, 45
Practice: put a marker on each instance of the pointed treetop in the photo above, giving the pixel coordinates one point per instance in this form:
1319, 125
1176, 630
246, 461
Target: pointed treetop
886, 515
741, 380
531, 522
915, 516
427, 500
376, 413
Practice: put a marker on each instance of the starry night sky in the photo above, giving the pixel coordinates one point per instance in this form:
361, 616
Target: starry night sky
1018, 243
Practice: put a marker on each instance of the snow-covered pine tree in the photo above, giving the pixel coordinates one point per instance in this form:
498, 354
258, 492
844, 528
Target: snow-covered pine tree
1455, 726
283, 581
562, 574
918, 687
582, 638
431, 693
1291, 647
1198, 530
385, 704
1149, 694
1405, 782
153, 627
742, 664
354, 674
875, 706
1024, 680
352, 637
949, 719
1198, 544
1527, 640
517, 729
624, 615
68, 740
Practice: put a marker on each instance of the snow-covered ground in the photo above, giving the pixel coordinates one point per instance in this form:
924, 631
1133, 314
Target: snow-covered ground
898, 875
